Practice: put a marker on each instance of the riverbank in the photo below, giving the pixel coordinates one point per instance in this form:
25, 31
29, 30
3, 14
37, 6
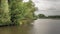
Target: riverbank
26, 23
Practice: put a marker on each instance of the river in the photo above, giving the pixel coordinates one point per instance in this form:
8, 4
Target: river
39, 26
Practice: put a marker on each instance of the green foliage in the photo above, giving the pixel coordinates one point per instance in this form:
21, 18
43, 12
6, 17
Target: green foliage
41, 16
56, 16
4, 12
16, 11
22, 12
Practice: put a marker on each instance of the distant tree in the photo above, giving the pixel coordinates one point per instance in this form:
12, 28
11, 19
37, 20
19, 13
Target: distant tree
41, 15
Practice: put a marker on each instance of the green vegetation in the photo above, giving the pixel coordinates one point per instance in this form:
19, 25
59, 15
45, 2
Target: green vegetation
16, 12
41, 16
4, 12
57, 16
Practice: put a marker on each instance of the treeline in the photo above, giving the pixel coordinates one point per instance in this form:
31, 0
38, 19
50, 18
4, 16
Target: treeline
16, 12
54, 16
43, 16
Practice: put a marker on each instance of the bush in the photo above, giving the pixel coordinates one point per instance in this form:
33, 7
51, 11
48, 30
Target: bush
41, 16
22, 10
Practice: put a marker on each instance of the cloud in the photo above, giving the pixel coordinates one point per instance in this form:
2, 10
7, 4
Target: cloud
51, 0
25, 0
51, 6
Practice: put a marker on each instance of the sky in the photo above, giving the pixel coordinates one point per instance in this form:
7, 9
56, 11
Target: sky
47, 7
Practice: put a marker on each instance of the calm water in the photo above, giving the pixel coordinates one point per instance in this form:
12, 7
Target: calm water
40, 26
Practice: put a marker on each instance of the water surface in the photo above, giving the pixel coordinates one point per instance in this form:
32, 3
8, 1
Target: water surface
40, 26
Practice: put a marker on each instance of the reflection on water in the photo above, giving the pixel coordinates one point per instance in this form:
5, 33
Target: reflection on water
15, 30
40, 26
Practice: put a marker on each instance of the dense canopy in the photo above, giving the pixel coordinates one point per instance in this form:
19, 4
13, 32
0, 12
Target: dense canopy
16, 11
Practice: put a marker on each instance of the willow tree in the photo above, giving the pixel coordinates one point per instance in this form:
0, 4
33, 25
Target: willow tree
0, 5
21, 12
29, 9
28, 12
14, 6
4, 12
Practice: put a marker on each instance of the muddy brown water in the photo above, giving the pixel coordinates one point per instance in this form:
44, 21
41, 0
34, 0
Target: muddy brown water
40, 26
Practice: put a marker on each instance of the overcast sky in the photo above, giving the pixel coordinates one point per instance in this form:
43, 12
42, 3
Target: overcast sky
47, 7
